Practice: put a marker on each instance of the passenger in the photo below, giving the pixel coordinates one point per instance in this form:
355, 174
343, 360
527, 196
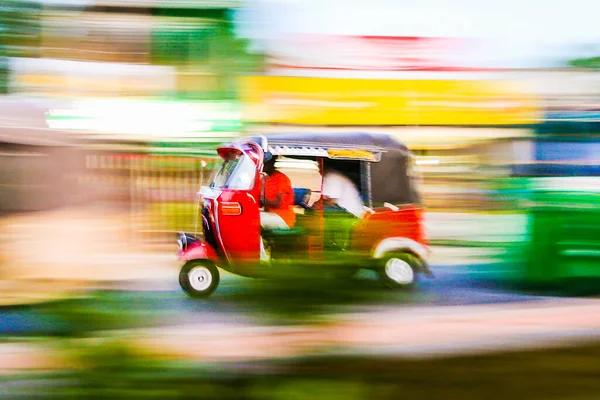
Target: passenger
339, 191
342, 206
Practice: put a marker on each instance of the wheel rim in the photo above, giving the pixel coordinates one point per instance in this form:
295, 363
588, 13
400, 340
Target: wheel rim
399, 271
200, 278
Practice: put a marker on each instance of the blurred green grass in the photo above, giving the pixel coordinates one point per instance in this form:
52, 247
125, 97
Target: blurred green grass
100, 311
111, 370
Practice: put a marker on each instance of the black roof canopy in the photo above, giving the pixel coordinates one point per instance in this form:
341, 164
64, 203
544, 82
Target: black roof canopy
390, 178
353, 140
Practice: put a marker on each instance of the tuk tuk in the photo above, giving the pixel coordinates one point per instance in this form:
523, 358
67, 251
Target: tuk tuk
389, 238
560, 193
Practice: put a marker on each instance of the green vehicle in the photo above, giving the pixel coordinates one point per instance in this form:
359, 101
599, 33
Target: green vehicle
561, 194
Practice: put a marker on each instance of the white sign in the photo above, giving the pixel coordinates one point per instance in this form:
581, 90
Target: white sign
370, 53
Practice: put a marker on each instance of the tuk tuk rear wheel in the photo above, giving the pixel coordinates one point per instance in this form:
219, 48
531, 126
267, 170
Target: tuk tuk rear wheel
398, 270
199, 278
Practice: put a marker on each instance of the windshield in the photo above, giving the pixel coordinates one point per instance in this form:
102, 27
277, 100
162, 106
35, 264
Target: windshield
236, 172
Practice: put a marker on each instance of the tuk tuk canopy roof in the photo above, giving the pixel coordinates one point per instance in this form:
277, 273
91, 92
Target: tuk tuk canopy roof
389, 178
319, 143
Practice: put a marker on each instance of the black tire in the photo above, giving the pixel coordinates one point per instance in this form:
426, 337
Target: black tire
398, 270
199, 271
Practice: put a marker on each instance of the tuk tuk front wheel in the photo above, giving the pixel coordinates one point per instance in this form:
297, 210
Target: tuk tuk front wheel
199, 278
398, 270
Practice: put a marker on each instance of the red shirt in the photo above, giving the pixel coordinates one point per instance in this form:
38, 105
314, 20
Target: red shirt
278, 183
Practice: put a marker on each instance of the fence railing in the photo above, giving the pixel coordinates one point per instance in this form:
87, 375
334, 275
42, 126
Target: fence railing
159, 190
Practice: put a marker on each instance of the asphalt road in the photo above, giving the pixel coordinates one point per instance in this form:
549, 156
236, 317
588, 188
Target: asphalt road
252, 301
452, 285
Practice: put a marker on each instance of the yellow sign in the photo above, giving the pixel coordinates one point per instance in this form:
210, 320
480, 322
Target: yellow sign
54, 77
351, 154
333, 101
62, 85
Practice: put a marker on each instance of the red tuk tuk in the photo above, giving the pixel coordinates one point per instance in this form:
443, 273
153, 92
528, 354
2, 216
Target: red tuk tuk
389, 238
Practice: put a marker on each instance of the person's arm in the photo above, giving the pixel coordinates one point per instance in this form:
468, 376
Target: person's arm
274, 203
328, 201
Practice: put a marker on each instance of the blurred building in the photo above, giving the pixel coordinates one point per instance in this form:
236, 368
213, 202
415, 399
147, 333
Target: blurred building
461, 121
158, 73
149, 88
195, 38
139, 85
40, 168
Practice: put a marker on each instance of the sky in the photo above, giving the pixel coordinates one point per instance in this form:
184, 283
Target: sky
516, 32
512, 33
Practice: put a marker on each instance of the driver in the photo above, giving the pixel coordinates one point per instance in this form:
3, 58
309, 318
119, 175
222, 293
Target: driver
278, 202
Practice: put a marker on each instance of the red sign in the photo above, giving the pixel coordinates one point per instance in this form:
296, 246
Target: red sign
370, 53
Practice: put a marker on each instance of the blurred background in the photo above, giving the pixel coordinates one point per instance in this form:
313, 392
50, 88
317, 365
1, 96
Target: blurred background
111, 111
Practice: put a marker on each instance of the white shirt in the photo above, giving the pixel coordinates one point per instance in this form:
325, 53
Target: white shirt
341, 189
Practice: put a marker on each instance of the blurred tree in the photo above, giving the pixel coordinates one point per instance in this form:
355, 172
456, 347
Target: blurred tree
20, 33
4, 73
587, 63
202, 44
20, 27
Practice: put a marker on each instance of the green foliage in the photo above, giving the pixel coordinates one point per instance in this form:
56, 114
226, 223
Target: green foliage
20, 29
207, 45
112, 370
20, 34
587, 63
101, 311
315, 389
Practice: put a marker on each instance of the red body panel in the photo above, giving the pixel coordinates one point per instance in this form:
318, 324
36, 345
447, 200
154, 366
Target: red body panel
383, 223
240, 234
199, 251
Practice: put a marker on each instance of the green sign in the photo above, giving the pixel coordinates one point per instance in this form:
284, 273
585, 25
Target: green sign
155, 118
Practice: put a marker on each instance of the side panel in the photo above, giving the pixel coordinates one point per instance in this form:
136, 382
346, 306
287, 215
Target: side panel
235, 216
240, 234
385, 223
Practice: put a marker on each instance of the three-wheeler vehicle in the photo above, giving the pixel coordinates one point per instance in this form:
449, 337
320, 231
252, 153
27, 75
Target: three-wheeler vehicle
560, 194
389, 238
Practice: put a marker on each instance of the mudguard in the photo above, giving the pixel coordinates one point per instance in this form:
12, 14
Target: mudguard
404, 244
401, 244
199, 250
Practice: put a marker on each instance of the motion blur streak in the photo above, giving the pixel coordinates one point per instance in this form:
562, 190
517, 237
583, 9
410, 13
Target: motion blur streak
110, 116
